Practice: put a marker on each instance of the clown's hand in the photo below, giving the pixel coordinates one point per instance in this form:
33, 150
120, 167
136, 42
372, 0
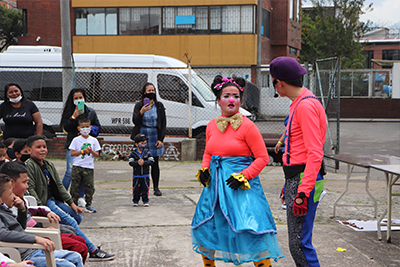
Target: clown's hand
237, 180
300, 204
203, 176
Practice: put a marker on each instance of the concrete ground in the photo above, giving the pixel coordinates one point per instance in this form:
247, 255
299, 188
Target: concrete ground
160, 234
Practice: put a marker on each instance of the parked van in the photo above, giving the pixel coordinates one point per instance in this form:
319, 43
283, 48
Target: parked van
113, 83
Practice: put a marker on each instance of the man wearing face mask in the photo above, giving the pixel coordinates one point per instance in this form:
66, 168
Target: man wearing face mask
19, 114
84, 149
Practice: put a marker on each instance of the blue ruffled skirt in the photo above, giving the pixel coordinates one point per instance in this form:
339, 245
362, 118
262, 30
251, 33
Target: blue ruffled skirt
234, 225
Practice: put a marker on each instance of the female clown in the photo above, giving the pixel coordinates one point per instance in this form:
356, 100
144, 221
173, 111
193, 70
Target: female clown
232, 221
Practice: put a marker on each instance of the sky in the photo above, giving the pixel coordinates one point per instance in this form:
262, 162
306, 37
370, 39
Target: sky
385, 12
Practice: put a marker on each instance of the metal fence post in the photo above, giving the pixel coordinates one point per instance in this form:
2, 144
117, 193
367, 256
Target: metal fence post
190, 99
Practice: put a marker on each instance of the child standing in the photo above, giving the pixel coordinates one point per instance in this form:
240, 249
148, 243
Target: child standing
84, 149
140, 159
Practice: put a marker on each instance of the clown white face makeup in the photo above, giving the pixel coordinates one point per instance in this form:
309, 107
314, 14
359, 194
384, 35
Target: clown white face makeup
229, 101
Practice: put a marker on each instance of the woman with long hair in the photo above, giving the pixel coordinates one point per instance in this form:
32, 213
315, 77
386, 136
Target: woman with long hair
19, 114
233, 221
149, 119
69, 123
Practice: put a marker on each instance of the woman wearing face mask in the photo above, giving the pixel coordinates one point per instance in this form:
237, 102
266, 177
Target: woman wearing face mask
69, 123
232, 221
19, 114
149, 119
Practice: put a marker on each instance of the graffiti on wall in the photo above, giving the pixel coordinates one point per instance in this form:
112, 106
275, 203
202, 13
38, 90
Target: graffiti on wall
118, 149
171, 153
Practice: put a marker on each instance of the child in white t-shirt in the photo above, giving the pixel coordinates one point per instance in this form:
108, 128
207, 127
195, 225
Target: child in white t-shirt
84, 148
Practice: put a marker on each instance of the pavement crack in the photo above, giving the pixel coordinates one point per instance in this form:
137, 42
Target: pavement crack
191, 200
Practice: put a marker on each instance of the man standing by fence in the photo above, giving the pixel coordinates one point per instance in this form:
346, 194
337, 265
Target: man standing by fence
306, 130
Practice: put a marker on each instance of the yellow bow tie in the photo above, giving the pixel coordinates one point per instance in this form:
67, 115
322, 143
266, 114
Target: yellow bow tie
235, 121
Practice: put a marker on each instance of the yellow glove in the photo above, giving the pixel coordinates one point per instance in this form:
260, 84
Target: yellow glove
203, 176
237, 180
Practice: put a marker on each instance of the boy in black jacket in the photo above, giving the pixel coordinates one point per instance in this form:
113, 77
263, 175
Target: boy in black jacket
140, 159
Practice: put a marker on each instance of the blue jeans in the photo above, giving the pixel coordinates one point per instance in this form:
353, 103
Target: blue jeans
64, 258
59, 208
67, 176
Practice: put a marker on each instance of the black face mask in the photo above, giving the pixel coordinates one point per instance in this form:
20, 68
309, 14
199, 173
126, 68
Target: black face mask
10, 153
150, 96
24, 157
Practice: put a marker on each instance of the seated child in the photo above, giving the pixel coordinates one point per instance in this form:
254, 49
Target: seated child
3, 150
84, 148
19, 174
45, 185
12, 230
8, 143
140, 159
21, 150
7, 262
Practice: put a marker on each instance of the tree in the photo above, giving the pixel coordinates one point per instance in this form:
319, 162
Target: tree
10, 26
332, 29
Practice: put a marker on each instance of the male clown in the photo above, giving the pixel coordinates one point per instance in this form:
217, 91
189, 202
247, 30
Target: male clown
306, 130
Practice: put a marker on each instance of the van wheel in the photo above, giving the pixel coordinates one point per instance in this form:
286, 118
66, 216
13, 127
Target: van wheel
49, 134
200, 133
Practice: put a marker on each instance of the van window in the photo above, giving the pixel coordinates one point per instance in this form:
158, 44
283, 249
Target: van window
39, 85
112, 87
172, 88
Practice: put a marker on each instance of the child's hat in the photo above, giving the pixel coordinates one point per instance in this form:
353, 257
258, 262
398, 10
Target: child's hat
140, 138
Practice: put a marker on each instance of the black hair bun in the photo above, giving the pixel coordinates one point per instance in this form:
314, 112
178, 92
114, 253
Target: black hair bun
217, 80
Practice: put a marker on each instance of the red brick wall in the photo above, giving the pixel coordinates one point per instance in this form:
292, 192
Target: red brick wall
283, 33
378, 47
43, 21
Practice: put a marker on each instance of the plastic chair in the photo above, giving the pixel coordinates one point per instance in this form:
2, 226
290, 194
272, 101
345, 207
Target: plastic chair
11, 249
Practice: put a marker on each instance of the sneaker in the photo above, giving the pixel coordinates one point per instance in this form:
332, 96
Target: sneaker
135, 204
157, 192
100, 255
146, 204
81, 202
90, 209
323, 193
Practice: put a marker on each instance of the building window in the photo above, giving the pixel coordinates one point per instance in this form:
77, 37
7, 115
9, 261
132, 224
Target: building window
166, 20
265, 23
292, 51
369, 54
24, 22
291, 9
96, 21
139, 21
297, 10
391, 54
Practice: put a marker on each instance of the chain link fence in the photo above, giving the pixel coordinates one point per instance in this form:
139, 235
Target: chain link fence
112, 92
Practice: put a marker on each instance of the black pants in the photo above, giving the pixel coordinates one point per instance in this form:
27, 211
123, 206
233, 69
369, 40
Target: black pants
155, 173
140, 188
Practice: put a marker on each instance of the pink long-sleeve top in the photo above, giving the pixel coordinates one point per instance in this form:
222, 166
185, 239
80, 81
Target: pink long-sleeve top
307, 138
244, 141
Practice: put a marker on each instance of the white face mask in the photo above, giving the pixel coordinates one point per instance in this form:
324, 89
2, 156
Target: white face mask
85, 131
15, 100
76, 101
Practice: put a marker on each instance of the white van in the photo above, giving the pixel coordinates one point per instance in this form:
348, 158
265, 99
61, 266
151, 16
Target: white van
113, 83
